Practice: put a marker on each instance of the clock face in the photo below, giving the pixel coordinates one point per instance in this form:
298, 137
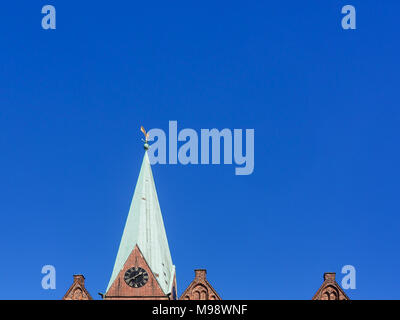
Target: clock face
136, 277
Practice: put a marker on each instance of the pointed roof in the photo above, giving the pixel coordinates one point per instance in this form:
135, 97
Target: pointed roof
145, 228
77, 290
330, 289
200, 288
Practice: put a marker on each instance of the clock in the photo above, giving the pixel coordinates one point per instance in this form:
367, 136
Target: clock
136, 277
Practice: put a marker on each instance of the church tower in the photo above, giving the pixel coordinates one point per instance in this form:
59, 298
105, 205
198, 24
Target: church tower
143, 268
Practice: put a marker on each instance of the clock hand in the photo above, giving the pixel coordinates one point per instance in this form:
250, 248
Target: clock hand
129, 279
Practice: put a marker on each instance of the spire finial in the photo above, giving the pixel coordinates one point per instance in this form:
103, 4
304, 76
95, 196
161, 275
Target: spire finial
146, 137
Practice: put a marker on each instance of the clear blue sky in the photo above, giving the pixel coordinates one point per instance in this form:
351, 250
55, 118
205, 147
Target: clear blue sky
324, 103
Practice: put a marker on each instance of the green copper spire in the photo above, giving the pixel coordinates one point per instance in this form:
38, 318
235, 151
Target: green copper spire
145, 227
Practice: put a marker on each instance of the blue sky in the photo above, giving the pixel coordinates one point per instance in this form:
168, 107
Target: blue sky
323, 103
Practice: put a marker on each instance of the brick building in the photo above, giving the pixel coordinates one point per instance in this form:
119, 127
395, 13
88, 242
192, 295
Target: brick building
143, 269
330, 289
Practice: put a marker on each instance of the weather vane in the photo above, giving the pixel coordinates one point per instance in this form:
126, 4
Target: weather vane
146, 137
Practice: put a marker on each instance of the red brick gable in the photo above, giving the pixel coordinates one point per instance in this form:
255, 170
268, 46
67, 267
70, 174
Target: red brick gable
200, 288
330, 289
150, 291
77, 291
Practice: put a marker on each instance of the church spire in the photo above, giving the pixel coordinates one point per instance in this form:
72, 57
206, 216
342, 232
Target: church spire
144, 244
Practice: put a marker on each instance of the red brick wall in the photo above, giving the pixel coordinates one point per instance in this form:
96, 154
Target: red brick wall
200, 288
150, 291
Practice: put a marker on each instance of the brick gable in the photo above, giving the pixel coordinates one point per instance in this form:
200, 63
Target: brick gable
330, 289
150, 291
77, 291
200, 288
